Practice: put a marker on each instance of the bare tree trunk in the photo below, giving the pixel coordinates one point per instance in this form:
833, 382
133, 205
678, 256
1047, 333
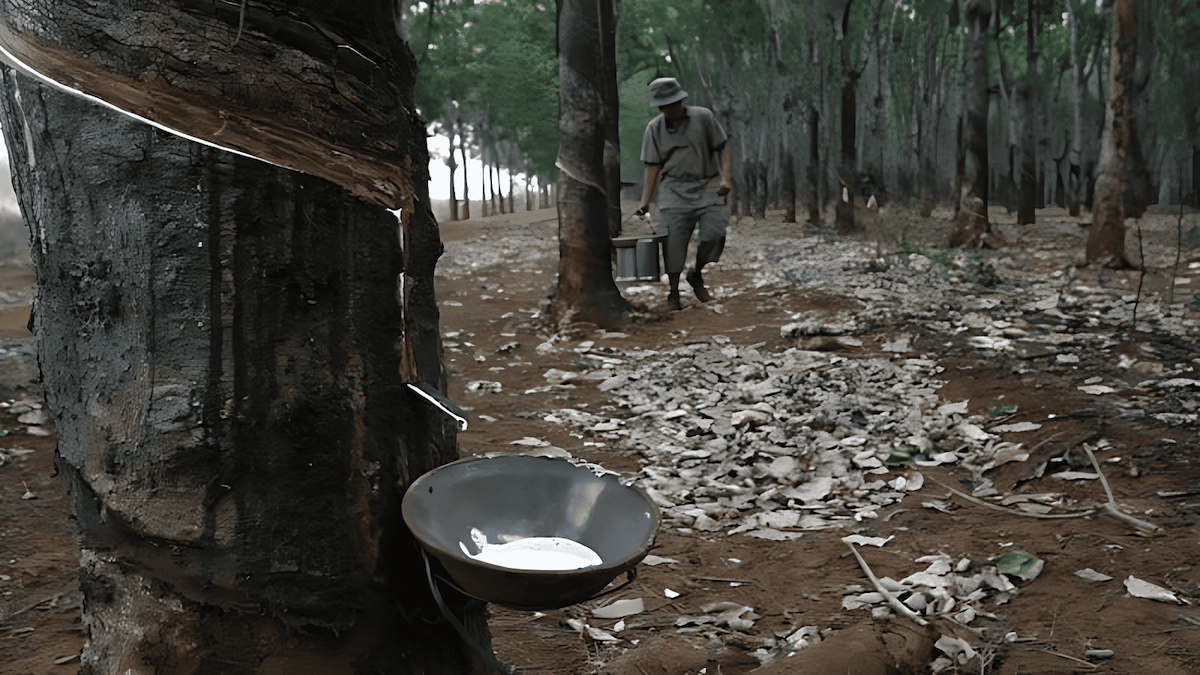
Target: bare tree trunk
512, 191
489, 205
612, 128
452, 165
497, 189
230, 397
972, 227
1028, 98
873, 145
462, 147
1074, 183
814, 166
1028, 183
787, 179
847, 171
1140, 190
585, 290
1106, 238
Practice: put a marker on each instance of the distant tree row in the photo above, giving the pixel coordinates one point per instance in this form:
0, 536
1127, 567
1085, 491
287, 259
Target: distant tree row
907, 100
489, 81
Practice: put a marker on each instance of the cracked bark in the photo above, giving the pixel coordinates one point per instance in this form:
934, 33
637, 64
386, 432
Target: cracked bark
225, 345
315, 87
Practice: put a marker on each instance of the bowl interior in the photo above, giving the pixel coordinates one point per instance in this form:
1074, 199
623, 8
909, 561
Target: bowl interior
512, 497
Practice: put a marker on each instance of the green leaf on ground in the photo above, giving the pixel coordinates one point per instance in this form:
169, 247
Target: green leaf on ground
1002, 410
1019, 564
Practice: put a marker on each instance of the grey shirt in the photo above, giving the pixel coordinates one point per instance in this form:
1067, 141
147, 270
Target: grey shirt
689, 156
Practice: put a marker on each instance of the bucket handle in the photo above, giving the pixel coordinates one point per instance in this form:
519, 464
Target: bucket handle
484, 654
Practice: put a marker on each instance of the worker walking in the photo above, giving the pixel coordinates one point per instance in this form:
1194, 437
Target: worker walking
686, 154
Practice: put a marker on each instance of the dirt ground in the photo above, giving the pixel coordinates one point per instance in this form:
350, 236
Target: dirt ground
489, 321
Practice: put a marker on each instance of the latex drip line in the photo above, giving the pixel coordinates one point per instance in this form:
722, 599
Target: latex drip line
479, 650
439, 401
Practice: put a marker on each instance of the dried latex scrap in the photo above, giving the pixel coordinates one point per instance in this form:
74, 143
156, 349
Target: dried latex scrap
533, 553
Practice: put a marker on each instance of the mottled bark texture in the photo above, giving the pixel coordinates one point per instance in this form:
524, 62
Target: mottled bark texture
847, 169
225, 345
1106, 238
585, 291
310, 85
972, 227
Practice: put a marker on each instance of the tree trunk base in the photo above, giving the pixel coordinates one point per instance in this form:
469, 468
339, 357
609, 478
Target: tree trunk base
175, 636
844, 218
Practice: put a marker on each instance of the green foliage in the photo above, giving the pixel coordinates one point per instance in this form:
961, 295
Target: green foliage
580, 364
497, 63
1002, 410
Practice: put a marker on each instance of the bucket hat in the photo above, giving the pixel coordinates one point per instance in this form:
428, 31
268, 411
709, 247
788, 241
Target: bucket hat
665, 91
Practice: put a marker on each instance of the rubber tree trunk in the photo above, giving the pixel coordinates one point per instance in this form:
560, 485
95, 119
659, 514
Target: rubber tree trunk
787, 180
585, 290
462, 148
814, 171
225, 346
612, 129
873, 146
452, 165
327, 101
847, 171
486, 205
1027, 102
1106, 237
1075, 176
1029, 97
972, 227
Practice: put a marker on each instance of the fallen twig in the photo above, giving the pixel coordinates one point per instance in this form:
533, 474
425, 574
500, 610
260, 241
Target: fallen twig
901, 608
1111, 507
1069, 658
1014, 512
732, 581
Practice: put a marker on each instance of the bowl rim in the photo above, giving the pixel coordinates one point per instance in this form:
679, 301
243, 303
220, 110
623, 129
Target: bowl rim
426, 540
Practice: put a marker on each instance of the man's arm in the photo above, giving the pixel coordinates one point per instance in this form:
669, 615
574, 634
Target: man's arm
649, 183
726, 182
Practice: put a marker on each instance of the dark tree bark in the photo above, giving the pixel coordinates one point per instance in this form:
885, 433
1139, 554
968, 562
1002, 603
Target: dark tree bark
488, 206
960, 162
847, 171
225, 346
787, 182
814, 166
972, 227
1106, 238
612, 110
1075, 176
462, 147
309, 85
1027, 102
452, 165
585, 290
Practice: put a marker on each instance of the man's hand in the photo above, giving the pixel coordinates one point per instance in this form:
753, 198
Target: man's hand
642, 210
724, 188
